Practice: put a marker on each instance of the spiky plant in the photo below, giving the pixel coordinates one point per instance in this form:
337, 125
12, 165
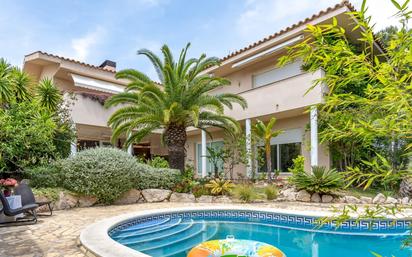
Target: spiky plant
265, 133
48, 94
6, 88
22, 85
182, 100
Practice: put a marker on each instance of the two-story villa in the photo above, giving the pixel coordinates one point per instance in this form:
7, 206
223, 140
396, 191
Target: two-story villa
269, 91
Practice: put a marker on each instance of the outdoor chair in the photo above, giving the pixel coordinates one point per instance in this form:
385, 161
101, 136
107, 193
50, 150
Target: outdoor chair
8, 211
27, 197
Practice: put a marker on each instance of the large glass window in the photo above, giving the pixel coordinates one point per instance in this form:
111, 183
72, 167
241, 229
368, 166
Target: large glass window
282, 156
217, 145
86, 144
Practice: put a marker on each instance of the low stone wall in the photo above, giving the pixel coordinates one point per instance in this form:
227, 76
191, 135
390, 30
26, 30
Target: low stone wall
291, 194
67, 200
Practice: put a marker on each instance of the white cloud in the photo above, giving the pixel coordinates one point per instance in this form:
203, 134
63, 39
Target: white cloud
260, 15
82, 45
382, 12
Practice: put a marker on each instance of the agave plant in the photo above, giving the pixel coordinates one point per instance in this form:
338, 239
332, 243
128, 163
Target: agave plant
320, 180
181, 100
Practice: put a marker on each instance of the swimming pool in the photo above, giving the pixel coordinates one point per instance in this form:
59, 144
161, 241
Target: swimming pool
173, 233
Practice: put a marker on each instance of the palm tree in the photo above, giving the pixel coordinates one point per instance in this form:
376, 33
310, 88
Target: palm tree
48, 94
6, 88
181, 100
266, 133
21, 83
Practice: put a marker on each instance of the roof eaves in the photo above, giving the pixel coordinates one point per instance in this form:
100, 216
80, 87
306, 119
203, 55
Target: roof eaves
71, 60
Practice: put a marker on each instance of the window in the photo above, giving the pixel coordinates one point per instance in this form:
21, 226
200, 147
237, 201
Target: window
86, 144
209, 166
284, 148
274, 75
283, 161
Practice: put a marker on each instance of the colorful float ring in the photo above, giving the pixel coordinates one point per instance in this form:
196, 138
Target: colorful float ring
235, 248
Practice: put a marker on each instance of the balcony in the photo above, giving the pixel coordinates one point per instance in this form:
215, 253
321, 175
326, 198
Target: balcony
282, 96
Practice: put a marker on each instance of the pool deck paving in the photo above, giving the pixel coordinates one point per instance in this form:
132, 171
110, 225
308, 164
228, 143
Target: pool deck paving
58, 235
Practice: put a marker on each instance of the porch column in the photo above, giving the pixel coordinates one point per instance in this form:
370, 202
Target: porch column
204, 154
130, 148
73, 147
313, 136
248, 128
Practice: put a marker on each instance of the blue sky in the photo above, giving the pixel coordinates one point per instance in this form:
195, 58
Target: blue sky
92, 31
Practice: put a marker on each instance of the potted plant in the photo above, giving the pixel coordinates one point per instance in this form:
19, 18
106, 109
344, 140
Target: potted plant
7, 186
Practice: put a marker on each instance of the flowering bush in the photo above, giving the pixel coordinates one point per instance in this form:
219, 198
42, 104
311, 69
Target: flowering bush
8, 182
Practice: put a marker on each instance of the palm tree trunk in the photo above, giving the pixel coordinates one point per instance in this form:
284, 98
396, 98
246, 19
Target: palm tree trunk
268, 163
175, 139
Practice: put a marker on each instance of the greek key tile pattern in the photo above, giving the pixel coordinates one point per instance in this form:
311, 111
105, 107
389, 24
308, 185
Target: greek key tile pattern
279, 219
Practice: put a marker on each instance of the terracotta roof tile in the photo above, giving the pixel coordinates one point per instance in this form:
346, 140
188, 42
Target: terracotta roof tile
72, 60
287, 29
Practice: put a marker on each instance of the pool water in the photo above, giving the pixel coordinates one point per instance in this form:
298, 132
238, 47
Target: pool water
175, 237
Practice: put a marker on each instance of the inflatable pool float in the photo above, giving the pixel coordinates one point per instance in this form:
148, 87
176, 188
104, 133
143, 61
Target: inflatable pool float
235, 248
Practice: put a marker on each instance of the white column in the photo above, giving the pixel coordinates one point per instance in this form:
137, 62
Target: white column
248, 128
204, 154
313, 136
73, 147
130, 148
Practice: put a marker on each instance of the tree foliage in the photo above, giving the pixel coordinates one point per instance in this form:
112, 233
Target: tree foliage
368, 106
35, 122
26, 136
265, 133
182, 100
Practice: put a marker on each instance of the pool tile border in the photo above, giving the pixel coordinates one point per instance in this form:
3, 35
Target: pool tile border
272, 218
96, 241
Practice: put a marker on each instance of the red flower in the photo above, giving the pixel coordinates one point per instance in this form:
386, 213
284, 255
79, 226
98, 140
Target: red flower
10, 182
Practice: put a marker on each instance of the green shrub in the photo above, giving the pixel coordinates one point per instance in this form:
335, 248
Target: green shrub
320, 180
298, 165
271, 192
50, 193
245, 193
187, 182
26, 138
105, 173
158, 162
150, 177
46, 176
200, 190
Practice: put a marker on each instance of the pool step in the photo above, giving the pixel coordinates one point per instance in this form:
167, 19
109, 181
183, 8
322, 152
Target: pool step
209, 236
162, 241
141, 232
146, 225
158, 235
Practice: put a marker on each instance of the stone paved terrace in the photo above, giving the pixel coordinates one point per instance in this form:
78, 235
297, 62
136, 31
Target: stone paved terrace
58, 235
